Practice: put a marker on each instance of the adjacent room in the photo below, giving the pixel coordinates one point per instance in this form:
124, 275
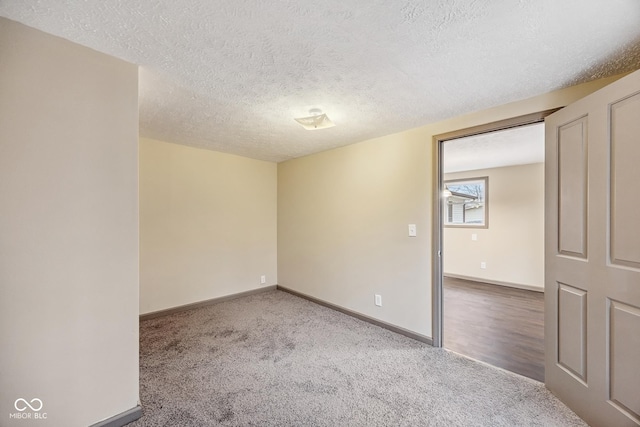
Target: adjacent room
494, 248
227, 213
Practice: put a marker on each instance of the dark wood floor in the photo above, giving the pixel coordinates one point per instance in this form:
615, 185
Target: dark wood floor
496, 324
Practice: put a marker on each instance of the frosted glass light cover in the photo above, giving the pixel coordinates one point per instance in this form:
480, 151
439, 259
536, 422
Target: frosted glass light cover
315, 122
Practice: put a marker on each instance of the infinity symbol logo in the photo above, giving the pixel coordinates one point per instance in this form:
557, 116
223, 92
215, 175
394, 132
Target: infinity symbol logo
24, 404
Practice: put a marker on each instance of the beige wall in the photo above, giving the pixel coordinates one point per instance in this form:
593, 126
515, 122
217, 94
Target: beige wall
513, 245
343, 215
207, 224
68, 229
342, 229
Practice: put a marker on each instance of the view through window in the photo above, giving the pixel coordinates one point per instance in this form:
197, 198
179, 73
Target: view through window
466, 202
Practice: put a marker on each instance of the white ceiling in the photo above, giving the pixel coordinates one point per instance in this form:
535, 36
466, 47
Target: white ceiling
517, 146
231, 75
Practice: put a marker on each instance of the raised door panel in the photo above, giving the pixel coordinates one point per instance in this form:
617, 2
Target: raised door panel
624, 358
572, 331
572, 188
624, 233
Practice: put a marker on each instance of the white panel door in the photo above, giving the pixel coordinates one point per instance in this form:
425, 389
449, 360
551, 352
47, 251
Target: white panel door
592, 261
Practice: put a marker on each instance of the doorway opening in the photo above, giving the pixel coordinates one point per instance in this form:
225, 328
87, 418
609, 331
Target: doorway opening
489, 239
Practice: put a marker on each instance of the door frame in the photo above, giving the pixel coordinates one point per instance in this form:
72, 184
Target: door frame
437, 224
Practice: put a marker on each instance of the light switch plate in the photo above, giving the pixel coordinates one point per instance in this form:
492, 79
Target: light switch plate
413, 232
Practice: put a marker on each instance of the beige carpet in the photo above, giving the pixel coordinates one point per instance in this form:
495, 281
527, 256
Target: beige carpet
273, 359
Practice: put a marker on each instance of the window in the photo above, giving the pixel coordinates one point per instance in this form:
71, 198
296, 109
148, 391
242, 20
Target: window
466, 203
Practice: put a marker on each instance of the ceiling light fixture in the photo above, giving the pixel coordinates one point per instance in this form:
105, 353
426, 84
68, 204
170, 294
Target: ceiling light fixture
316, 120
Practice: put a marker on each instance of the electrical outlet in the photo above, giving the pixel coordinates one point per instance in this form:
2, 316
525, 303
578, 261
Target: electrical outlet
474, 236
483, 265
263, 279
378, 300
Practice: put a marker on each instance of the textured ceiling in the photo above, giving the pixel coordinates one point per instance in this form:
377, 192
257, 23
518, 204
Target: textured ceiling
232, 75
516, 146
